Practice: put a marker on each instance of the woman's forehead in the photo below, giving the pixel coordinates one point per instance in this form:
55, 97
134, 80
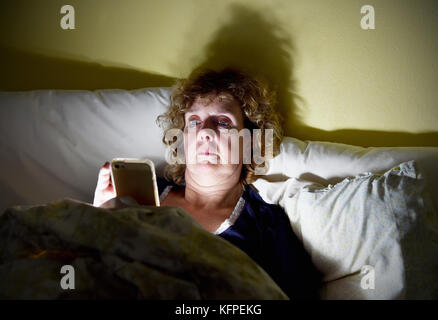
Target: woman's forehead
220, 103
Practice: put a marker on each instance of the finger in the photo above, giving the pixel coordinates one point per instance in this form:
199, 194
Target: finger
104, 171
106, 167
101, 196
128, 201
117, 203
104, 178
108, 204
103, 182
109, 189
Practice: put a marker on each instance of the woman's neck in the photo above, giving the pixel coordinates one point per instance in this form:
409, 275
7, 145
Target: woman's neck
223, 194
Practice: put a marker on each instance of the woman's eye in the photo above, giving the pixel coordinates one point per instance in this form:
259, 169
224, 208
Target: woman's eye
223, 123
193, 123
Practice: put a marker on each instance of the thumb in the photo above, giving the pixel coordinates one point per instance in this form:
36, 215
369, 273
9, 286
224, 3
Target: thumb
128, 201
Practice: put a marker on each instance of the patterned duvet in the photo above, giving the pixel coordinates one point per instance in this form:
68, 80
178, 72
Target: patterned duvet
132, 253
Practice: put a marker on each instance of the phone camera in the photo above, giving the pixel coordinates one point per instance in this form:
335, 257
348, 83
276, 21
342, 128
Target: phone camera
117, 166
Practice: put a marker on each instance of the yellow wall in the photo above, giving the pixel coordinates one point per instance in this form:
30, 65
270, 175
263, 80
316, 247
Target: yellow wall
336, 81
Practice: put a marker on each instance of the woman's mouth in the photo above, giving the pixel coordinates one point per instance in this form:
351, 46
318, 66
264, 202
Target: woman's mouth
207, 153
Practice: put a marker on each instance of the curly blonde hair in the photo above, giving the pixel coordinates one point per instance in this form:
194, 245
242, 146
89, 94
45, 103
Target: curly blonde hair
253, 95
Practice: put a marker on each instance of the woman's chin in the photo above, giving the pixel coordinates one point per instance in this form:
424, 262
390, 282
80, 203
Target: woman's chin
206, 166
210, 160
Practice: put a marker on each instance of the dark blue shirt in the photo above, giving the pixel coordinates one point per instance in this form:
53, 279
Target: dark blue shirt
263, 231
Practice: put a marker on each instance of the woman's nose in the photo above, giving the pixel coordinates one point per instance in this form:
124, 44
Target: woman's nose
206, 134
207, 131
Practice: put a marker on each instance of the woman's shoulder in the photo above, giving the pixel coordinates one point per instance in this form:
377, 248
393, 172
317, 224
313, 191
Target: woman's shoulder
260, 208
253, 196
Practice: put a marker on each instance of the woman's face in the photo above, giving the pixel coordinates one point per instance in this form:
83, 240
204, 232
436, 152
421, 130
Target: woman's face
207, 150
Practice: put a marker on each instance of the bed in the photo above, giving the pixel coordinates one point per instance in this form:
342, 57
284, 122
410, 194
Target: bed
367, 216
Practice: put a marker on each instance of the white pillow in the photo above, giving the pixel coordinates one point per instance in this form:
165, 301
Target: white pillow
329, 163
53, 142
383, 221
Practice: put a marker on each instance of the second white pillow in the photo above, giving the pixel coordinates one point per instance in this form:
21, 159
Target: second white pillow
379, 223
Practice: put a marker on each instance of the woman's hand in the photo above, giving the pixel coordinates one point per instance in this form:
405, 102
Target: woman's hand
119, 203
105, 195
104, 189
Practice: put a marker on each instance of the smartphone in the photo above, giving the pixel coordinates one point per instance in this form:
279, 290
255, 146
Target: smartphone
135, 178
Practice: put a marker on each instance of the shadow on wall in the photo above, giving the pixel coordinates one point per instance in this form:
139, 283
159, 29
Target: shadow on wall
255, 43
29, 71
250, 41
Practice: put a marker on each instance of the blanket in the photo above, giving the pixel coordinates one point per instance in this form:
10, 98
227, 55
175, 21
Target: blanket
72, 250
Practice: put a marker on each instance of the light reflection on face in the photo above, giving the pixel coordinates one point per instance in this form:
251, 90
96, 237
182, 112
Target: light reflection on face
205, 151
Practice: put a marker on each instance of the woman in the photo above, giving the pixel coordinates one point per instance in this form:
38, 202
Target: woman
216, 191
